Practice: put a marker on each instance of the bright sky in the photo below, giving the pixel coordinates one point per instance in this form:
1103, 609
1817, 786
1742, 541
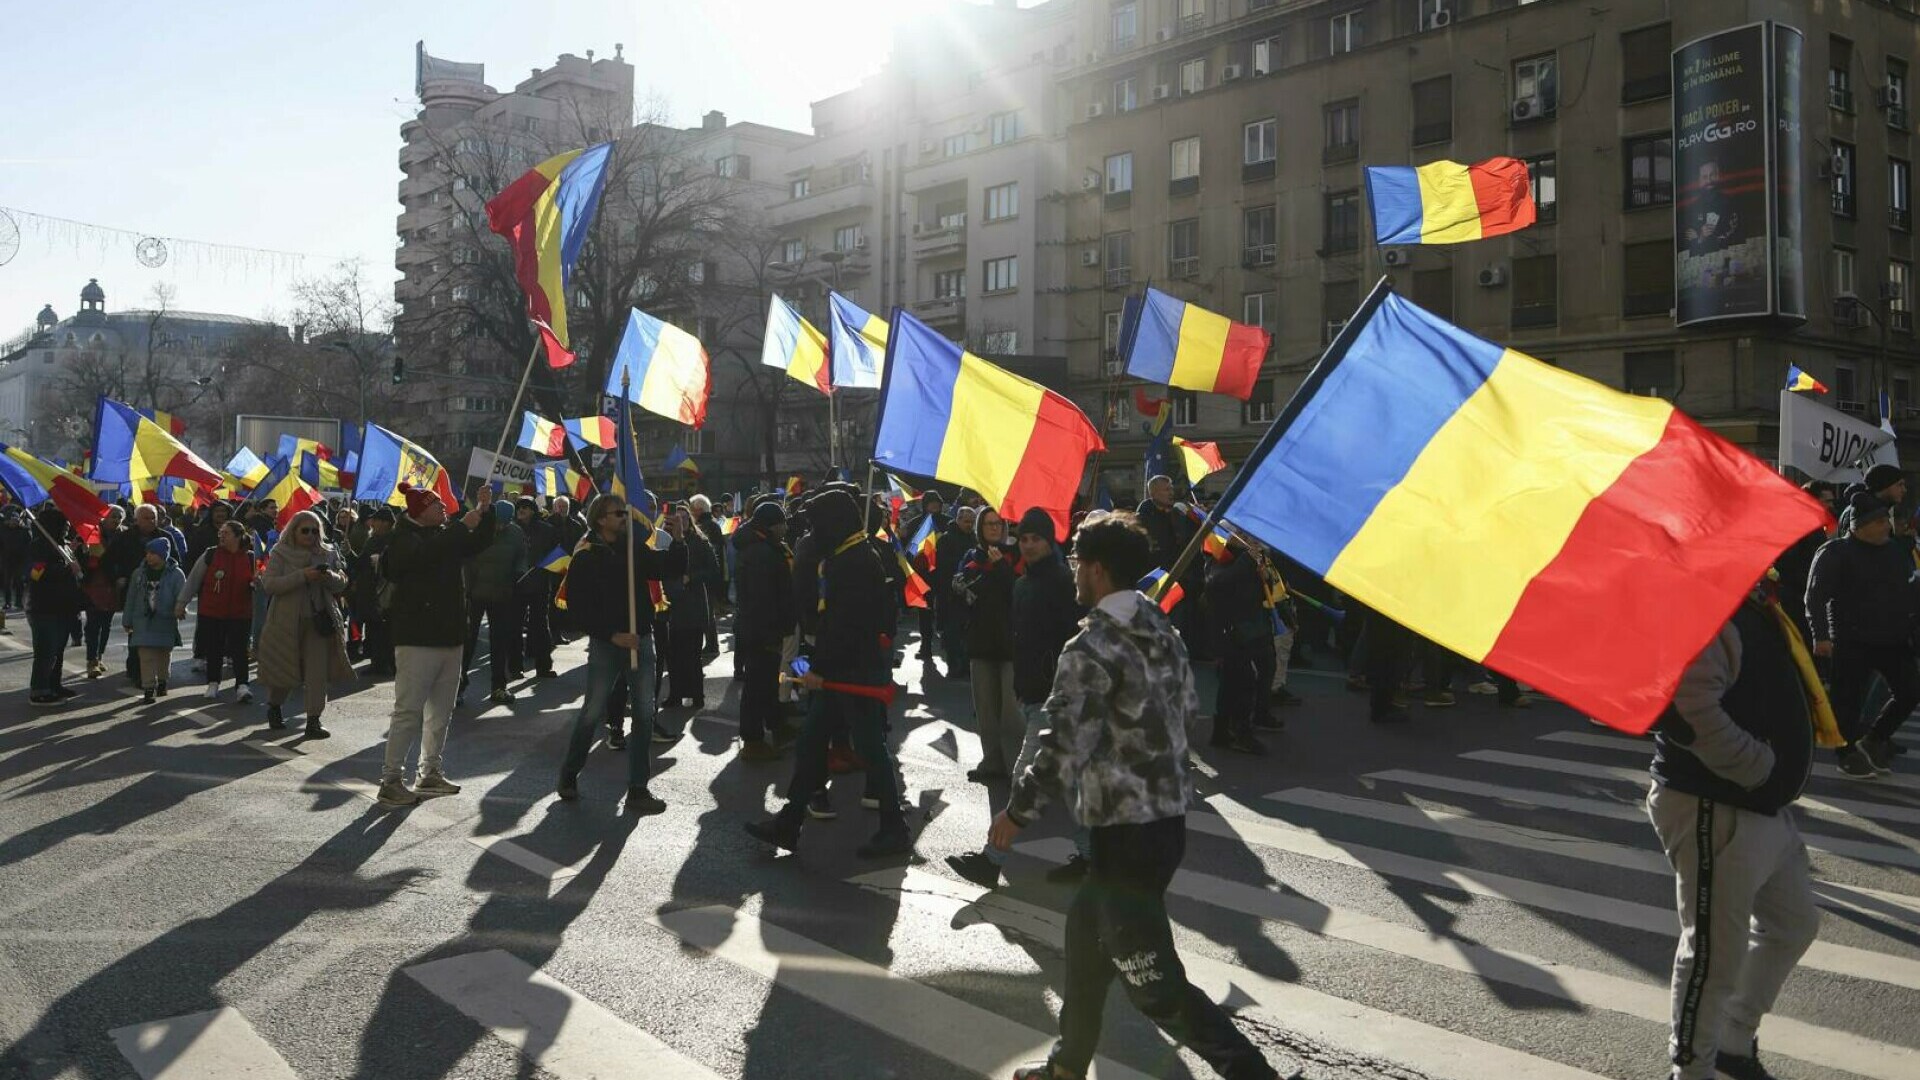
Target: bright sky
276, 125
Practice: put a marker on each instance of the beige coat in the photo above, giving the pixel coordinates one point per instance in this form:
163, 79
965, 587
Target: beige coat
289, 612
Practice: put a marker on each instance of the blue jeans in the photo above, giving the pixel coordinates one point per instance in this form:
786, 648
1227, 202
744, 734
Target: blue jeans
50, 633
606, 662
1036, 717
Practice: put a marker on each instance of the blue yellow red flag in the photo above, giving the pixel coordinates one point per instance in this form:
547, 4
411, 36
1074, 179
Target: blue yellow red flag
388, 460
859, 344
545, 216
130, 449
1800, 380
661, 368
1174, 343
793, 345
1449, 203
32, 481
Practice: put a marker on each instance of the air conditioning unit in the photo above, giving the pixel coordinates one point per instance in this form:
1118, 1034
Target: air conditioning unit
860, 244
1526, 108
1890, 291
926, 146
1492, 277
1089, 182
1161, 92
918, 228
1090, 257
1095, 109
1395, 257
1229, 72
1165, 33
1888, 97
1440, 20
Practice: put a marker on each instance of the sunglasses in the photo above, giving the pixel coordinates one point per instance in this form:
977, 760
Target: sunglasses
305, 532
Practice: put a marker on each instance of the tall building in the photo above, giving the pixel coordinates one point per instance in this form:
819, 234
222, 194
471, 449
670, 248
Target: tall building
1229, 139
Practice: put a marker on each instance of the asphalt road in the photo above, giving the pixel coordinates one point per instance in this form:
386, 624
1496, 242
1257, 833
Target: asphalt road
1475, 895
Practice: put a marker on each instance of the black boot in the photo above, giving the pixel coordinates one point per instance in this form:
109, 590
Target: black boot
275, 719
892, 839
780, 831
314, 730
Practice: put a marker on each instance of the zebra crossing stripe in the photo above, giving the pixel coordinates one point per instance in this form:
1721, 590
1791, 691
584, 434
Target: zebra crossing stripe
1641, 746
975, 1039
1646, 1000
214, 1045
1240, 823
566, 1034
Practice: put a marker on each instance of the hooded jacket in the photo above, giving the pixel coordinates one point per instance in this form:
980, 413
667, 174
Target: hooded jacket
763, 589
1860, 593
1045, 617
853, 613
495, 572
151, 598
1122, 699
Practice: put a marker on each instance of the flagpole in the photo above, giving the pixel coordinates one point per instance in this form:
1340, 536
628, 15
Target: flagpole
866, 516
513, 411
833, 432
633, 579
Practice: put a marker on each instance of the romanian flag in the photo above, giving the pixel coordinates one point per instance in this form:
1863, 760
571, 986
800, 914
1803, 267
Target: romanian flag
1215, 544
130, 449
174, 425
795, 485
32, 482
245, 470
1202, 459
631, 484
1152, 585
541, 435
729, 524
1800, 380
1158, 411
592, 430
1449, 203
388, 460
545, 215
678, 458
795, 347
551, 478
1174, 343
557, 560
1586, 541
661, 368
948, 414
925, 541
859, 344
289, 492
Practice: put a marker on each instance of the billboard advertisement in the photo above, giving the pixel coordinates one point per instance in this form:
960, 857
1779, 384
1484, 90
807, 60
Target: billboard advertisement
1789, 176
1722, 209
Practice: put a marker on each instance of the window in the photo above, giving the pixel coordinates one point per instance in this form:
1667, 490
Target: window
1259, 230
1266, 55
1193, 13
800, 189
1842, 180
1338, 299
1000, 342
1258, 409
1193, 75
1846, 388
1126, 94
1433, 110
1117, 252
1896, 92
1111, 323
954, 145
1185, 166
1648, 272
793, 251
1003, 127
1003, 201
1433, 290
1258, 142
1536, 88
1536, 291
1000, 275
1899, 194
1343, 131
1119, 181
734, 166
1902, 395
1344, 32
849, 238
1900, 295
1843, 273
1840, 74
1341, 235
1123, 24
1649, 372
1646, 63
1183, 248
1546, 196
949, 284
1256, 309
1649, 170
1186, 407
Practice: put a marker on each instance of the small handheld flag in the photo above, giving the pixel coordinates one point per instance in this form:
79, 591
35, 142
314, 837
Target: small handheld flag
557, 560
1153, 584
1202, 459
1800, 380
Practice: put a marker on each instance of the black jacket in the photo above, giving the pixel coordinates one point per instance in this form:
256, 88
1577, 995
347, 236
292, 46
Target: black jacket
1168, 531
1237, 602
363, 583
430, 591
763, 591
1739, 730
1045, 616
1860, 593
567, 532
709, 527
55, 593
599, 580
1794, 566
987, 587
948, 551
690, 603
852, 611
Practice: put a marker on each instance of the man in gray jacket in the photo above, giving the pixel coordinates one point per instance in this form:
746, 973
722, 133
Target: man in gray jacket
1122, 700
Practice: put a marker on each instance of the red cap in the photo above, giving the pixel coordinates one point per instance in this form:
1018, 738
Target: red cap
418, 499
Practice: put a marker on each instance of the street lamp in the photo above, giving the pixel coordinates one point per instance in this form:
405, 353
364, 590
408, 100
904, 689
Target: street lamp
1848, 302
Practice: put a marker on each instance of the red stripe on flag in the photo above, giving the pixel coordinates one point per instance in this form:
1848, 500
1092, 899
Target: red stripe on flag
1690, 526
1049, 474
183, 466
1504, 191
1240, 362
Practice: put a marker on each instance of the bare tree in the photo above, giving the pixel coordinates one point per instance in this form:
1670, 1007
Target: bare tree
335, 363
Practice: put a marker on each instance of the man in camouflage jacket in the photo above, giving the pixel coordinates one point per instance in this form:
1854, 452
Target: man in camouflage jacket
1122, 697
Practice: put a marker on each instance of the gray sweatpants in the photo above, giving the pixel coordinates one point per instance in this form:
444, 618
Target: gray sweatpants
1749, 872
996, 714
426, 685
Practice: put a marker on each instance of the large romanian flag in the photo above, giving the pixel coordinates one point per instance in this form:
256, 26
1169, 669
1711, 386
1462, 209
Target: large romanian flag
1174, 343
793, 345
289, 491
948, 414
545, 215
131, 449
388, 460
661, 368
1201, 459
859, 344
1582, 540
245, 470
1449, 203
32, 482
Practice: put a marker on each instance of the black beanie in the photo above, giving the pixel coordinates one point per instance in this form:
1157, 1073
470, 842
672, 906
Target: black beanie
1882, 477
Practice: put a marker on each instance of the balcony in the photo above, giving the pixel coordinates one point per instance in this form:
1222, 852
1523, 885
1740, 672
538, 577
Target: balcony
1338, 153
823, 201
936, 241
942, 310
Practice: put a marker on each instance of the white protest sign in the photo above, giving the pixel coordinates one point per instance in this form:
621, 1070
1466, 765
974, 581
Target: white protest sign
1826, 443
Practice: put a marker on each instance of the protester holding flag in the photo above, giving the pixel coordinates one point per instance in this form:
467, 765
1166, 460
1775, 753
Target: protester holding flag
1169, 529
302, 643
762, 622
922, 549
128, 551
952, 614
102, 594
709, 525
222, 582
984, 582
1861, 606
53, 603
1242, 624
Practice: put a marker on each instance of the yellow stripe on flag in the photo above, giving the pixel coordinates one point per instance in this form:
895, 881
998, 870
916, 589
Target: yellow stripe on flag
992, 422
1203, 339
1446, 196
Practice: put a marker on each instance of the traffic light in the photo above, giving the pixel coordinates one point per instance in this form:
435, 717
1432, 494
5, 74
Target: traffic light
399, 369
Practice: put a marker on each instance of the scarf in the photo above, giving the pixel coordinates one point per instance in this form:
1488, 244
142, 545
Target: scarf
1826, 730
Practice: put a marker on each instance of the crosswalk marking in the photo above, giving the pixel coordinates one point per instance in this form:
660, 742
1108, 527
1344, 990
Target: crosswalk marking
1898, 851
566, 1034
1453, 821
1236, 821
1643, 746
214, 1045
1906, 815
1645, 1000
981, 1042
1355, 1028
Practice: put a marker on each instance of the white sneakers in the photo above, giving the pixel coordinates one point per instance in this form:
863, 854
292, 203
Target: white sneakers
213, 690
243, 694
